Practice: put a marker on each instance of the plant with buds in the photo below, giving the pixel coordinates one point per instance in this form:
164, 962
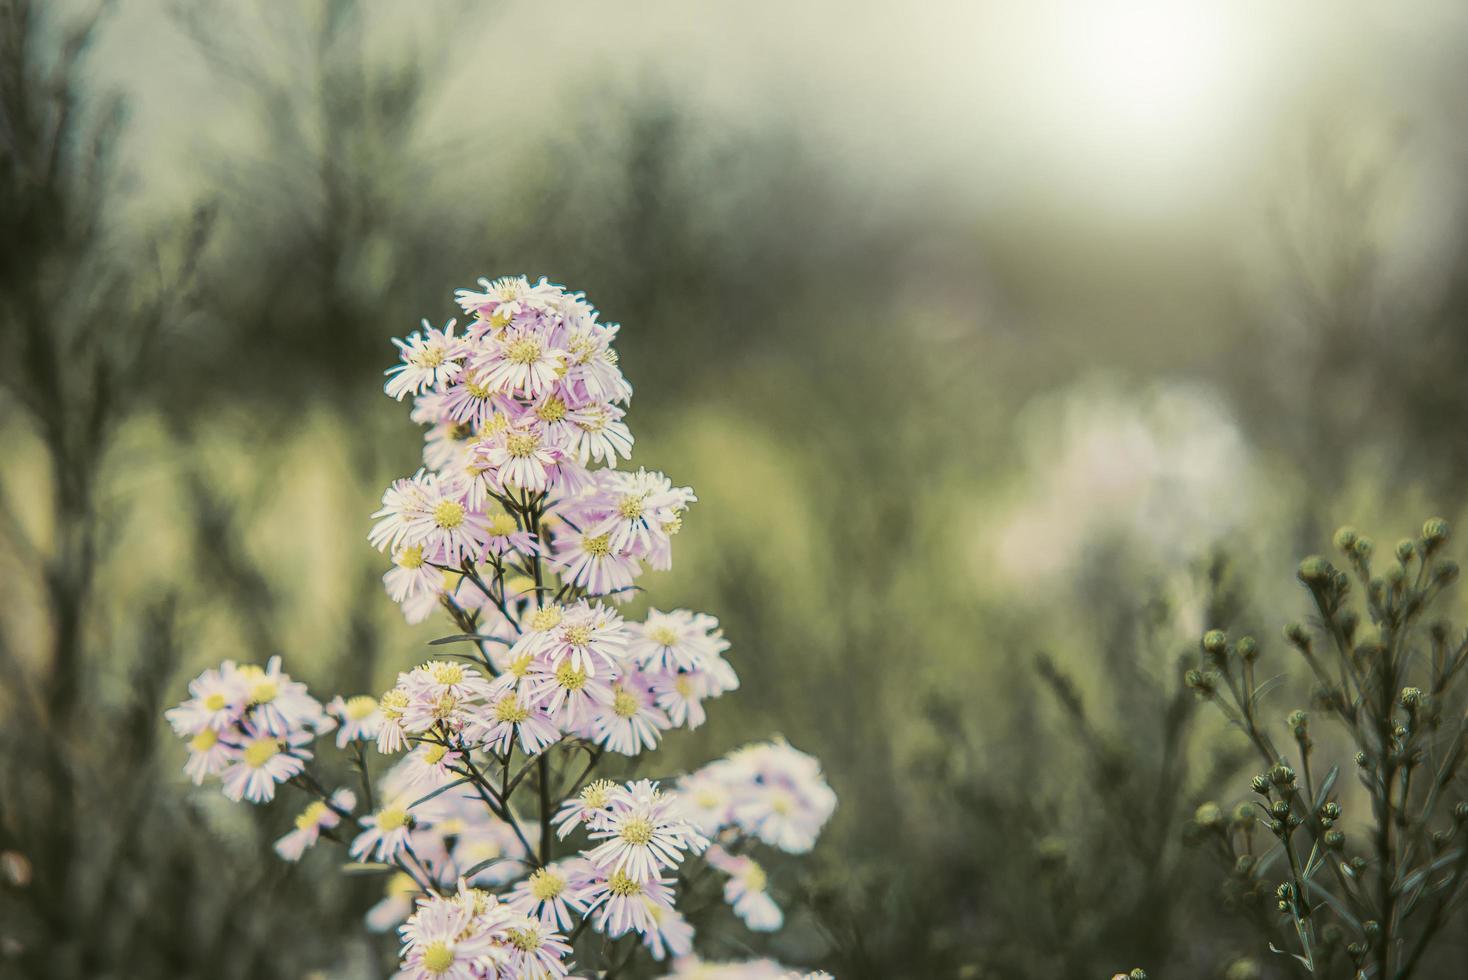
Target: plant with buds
1368, 898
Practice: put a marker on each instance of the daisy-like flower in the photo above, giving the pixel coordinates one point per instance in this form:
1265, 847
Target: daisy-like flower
513, 717
591, 562
280, 705
671, 935
431, 512
707, 798
443, 941
430, 358
784, 800
547, 894
534, 950
677, 640
507, 297
358, 718
599, 435
426, 767
586, 635
519, 456
218, 700
622, 902
640, 504
312, 821
747, 890
208, 756
384, 833
630, 722
411, 575
261, 761
391, 737
566, 692
681, 695
644, 831
503, 535
590, 807
472, 400
518, 361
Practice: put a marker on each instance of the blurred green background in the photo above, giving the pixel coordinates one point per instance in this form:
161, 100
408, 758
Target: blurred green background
1006, 346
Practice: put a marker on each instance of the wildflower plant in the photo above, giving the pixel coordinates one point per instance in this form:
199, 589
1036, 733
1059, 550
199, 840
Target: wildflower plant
1364, 883
501, 846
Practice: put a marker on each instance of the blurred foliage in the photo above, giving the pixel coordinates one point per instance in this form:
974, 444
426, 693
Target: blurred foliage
194, 433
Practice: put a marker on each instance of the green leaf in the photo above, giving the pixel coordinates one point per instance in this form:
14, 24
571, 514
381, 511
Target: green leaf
442, 789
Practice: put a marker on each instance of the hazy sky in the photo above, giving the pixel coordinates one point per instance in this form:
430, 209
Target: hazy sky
1122, 140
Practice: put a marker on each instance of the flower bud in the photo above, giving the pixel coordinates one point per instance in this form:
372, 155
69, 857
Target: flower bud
1137, 974
1395, 573
1335, 840
1245, 816
1372, 928
1282, 775
1445, 572
1244, 865
1345, 538
1364, 547
1435, 531
1361, 759
1314, 571
1209, 815
1261, 785
1331, 810
1248, 648
1358, 864
1411, 697
1280, 809
1297, 635
1215, 642
1406, 548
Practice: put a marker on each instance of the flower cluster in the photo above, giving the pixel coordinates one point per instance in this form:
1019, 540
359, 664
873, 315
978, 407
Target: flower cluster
520, 527
250, 726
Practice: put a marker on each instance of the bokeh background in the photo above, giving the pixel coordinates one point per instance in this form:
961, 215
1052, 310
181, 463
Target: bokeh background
1007, 347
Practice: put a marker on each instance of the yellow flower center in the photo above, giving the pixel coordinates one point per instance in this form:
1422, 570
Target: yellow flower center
520, 666
546, 884
621, 884
524, 940
445, 706
624, 704
261, 752
445, 673
553, 409
311, 816
263, 692
523, 350
569, 677
477, 388
393, 703
598, 547
546, 619
596, 795
215, 702
630, 507
707, 799
410, 557
430, 357
360, 707
521, 444
449, 514
502, 525
637, 831
204, 741
509, 709
393, 818
673, 526
434, 754
437, 957
683, 686
663, 636
577, 636
401, 885
755, 878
